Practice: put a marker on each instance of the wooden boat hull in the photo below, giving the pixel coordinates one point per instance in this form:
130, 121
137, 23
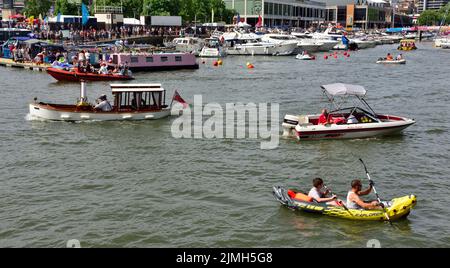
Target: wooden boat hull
70, 113
72, 76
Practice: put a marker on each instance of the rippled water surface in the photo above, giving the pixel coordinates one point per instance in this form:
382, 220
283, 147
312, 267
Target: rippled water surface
130, 184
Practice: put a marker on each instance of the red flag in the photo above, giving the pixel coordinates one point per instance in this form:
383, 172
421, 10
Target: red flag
178, 98
259, 24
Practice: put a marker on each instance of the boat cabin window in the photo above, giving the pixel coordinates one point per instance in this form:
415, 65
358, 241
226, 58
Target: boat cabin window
139, 101
178, 58
134, 59
115, 59
149, 59
164, 59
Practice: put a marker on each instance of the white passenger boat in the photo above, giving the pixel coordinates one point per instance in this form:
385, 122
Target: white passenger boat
344, 123
131, 102
212, 49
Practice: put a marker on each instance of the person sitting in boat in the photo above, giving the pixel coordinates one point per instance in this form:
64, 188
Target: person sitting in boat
325, 118
89, 68
103, 69
399, 57
81, 68
389, 57
103, 104
317, 194
352, 120
354, 200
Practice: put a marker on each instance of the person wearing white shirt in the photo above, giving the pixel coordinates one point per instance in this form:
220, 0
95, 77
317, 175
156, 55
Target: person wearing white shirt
104, 104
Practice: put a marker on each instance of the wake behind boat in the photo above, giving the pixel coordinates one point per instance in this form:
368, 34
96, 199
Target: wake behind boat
131, 102
344, 123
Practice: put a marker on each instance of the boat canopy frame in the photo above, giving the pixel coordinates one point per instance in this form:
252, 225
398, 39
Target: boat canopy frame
339, 95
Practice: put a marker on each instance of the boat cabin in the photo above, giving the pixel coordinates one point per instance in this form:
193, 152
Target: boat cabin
138, 97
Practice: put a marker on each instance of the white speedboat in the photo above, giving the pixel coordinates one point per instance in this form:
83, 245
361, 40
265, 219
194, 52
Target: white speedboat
305, 57
344, 123
445, 43
131, 102
212, 49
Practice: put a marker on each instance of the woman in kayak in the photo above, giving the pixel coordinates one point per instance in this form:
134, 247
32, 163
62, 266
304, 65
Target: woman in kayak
318, 195
354, 200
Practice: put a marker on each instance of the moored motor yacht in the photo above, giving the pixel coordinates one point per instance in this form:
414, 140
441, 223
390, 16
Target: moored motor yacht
344, 123
212, 49
188, 45
251, 44
131, 102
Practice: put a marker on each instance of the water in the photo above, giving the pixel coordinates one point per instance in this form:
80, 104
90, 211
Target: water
130, 184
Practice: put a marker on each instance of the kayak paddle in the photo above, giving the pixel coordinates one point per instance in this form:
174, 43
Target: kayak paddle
342, 203
375, 191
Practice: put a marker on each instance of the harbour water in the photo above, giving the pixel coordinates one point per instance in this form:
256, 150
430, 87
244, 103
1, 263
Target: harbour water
130, 184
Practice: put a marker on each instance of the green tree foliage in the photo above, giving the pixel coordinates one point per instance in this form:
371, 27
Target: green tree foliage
37, 7
188, 9
435, 17
66, 7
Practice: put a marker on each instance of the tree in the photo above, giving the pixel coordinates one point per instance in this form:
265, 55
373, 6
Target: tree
429, 17
37, 7
66, 7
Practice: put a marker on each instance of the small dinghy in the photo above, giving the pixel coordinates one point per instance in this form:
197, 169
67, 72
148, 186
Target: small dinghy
385, 61
305, 57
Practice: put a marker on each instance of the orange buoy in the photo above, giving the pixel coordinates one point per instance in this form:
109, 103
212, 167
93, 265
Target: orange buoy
215, 63
250, 66
220, 62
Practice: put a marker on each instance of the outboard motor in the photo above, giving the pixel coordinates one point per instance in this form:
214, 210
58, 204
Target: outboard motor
289, 124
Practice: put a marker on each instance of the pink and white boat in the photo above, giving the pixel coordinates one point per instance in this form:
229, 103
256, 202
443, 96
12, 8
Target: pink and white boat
155, 61
347, 123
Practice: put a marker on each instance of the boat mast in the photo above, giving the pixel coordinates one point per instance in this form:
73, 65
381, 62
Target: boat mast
83, 93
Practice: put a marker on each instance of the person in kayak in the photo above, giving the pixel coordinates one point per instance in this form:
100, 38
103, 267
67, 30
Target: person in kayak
319, 196
354, 200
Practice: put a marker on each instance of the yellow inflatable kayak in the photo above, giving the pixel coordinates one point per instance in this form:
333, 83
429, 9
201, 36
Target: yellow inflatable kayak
398, 207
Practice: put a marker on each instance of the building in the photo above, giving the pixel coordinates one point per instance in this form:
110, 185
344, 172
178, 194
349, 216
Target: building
430, 4
406, 7
365, 14
292, 13
10, 7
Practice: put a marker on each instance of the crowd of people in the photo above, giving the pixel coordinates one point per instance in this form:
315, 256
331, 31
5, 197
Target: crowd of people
83, 65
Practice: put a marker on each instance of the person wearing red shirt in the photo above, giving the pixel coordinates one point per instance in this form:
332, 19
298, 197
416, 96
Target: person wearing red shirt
324, 118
